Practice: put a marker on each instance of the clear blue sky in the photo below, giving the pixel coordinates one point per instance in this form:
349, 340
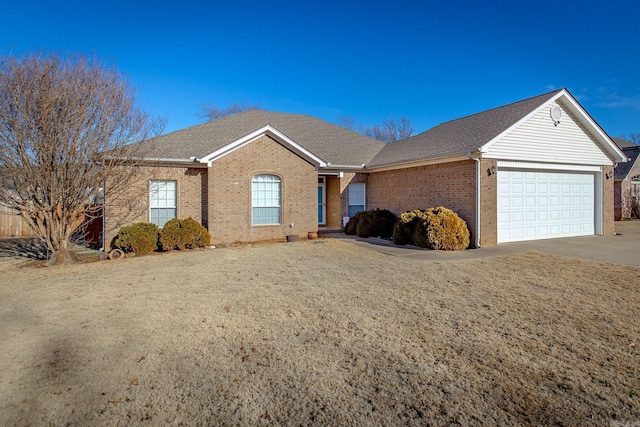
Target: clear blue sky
431, 61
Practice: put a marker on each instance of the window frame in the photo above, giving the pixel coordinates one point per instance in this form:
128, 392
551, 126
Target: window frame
268, 197
175, 200
351, 187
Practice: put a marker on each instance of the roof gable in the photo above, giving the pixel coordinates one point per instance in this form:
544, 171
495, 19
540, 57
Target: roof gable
478, 132
316, 140
460, 136
253, 136
622, 170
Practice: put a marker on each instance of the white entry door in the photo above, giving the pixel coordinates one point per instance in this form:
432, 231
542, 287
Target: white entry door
544, 204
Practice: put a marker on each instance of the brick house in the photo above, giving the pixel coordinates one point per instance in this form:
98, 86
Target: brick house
537, 168
627, 182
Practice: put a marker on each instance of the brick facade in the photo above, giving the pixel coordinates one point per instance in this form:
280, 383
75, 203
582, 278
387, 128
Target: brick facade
229, 202
451, 185
191, 198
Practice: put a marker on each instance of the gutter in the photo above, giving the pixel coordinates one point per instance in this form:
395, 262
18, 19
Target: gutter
344, 167
477, 156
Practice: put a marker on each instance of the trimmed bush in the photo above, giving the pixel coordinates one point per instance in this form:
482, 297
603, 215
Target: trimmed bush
441, 229
140, 238
375, 223
184, 234
352, 225
405, 225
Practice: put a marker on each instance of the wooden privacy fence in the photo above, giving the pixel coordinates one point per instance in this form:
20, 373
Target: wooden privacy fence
12, 224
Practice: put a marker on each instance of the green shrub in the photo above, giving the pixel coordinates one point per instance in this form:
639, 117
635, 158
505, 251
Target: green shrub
405, 225
375, 223
140, 238
441, 229
352, 225
184, 234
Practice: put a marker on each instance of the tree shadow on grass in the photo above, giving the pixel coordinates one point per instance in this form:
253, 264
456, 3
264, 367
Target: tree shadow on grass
23, 247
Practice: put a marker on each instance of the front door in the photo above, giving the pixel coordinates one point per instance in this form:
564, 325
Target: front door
322, 205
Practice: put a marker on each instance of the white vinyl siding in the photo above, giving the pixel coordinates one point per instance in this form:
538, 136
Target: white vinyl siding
356, 198
265, 200
538, 140
544, 204
162, 201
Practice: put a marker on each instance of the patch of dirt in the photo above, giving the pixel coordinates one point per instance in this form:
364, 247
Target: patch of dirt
320, 332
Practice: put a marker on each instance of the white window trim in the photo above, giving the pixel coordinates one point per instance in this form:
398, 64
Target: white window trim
175, 200
253, 224
364, 196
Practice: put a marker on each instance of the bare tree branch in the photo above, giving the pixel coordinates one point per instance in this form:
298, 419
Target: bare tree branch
390, 130
213, 112
66, 124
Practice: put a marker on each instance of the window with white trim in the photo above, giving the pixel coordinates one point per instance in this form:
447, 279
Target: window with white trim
162, 195
265, 200
635, 186
356, 198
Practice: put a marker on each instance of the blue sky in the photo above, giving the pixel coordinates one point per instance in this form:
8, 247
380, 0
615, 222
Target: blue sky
430, 61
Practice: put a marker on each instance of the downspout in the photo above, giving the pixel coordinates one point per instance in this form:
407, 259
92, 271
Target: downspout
477, 233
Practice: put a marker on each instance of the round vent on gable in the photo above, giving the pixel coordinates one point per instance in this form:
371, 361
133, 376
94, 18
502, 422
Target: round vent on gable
556, 114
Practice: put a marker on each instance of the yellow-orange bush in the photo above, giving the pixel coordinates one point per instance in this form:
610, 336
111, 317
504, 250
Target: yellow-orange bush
184, 234
441, 229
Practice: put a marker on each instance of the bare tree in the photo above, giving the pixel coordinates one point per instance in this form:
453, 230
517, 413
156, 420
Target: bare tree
213, 112
390, 130
635, 138
66, 123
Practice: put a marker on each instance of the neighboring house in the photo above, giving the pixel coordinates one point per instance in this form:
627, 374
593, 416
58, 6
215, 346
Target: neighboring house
627, 184
534, 169
623, 143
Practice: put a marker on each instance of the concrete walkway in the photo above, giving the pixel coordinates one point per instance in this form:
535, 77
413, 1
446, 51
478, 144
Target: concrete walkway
623, 248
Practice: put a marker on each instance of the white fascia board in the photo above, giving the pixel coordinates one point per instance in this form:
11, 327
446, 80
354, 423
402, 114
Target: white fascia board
585, 118
485, 148
269, 131
611, 146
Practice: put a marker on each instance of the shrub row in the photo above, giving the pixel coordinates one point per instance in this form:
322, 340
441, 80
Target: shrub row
375, 223
436, 228
142, 238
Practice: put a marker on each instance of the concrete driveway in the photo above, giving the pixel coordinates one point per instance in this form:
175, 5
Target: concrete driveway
623, 248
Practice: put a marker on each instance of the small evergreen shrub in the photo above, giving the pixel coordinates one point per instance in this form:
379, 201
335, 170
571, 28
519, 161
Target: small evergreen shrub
352, 225
405, 225
184, 234
441, 229
375, 223
140, 238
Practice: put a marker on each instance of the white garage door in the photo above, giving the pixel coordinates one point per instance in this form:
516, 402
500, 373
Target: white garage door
543, 205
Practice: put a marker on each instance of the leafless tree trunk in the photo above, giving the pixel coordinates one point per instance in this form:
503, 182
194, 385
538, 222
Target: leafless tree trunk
66, 125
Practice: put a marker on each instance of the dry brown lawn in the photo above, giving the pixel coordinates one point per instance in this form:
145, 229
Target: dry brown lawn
323, 333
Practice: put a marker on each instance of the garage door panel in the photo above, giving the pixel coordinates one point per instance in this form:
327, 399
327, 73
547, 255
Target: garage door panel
539, 205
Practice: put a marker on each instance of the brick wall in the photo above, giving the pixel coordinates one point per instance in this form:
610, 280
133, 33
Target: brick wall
488, 203
451, 185
132, 207
229, 201
608, 202
334, 193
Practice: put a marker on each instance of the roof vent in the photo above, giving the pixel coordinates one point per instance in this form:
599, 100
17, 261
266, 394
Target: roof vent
556, 114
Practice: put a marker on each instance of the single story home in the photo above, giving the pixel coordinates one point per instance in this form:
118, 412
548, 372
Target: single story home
534, 169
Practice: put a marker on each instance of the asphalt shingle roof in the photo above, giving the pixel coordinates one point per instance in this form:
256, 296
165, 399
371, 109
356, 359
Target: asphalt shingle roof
327, 141
623, 169
623, 143
459, 136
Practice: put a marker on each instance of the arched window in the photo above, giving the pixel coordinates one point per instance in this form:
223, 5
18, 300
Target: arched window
265, 200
